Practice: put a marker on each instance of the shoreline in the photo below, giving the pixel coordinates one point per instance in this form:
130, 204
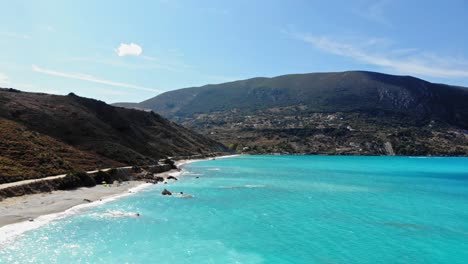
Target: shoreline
44, 208
11, 231
180, 163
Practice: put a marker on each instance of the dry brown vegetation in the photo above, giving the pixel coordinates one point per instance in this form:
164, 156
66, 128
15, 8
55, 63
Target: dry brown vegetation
28, 154
43, 135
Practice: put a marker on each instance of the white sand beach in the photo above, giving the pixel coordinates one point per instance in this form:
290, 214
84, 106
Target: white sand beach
29, 207
22, 213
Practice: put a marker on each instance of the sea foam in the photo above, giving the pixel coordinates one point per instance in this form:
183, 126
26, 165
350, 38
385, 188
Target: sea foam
9, 232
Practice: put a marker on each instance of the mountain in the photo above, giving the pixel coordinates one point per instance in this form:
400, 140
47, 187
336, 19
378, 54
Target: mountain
353, 112
44, 135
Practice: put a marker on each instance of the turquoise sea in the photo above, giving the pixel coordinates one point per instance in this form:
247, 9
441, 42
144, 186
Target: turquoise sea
273, 209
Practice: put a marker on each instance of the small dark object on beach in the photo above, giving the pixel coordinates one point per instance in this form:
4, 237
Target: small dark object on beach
31, 220
87, 200
158, 179
172, 178
166, 192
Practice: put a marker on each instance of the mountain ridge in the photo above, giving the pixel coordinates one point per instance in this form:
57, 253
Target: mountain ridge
366, 100
273, 89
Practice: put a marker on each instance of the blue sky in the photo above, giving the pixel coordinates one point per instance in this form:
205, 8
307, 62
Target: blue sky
133, 50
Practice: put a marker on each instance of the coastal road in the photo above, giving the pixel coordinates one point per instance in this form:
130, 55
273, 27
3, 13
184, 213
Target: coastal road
19, 183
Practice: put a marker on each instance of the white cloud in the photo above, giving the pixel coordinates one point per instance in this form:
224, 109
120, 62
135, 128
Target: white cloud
145, 63
409, 62
90, 78
131, 49
4, 80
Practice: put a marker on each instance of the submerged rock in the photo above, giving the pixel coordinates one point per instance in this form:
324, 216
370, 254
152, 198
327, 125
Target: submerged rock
166, 192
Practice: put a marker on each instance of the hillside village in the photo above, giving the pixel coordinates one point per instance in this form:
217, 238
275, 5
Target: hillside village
285, 130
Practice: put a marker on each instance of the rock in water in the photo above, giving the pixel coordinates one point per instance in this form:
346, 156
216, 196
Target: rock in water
166, 192
172, 178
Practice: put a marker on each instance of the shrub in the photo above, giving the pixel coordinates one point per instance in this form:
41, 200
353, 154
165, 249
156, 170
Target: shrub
77, 179
136, 169
71, 181
102, 176
112, 172
118, 175
86, 179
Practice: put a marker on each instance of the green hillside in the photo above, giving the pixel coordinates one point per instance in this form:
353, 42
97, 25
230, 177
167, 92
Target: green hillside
330, 113
369, 92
